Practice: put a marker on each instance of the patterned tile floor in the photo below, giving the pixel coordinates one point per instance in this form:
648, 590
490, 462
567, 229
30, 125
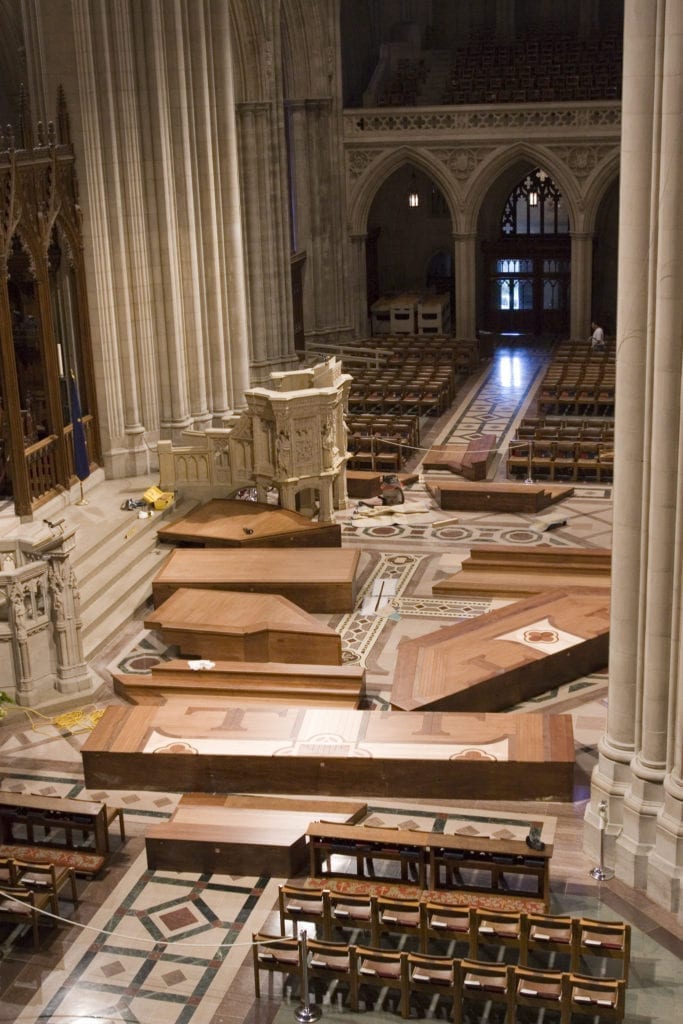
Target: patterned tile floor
144, 946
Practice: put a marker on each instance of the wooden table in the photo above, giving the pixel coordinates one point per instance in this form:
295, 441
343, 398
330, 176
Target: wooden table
366, 844
52, 813
428, 852
317, 579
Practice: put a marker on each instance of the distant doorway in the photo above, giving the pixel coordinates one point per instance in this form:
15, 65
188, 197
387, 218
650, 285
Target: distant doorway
528, 268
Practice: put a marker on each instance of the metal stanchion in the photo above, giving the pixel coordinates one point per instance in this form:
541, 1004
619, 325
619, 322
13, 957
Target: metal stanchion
308, 1011
601, 873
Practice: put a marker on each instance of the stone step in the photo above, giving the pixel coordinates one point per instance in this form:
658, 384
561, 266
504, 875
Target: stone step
120, 600
115, 572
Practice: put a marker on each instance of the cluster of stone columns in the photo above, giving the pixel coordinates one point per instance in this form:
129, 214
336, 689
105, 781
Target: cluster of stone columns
640, 767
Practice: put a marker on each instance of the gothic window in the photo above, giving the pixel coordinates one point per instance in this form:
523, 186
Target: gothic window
535, 207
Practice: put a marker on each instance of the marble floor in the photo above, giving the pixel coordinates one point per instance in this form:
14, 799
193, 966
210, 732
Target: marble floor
146, 946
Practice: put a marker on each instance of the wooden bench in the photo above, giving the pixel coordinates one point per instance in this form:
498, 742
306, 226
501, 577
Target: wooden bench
83, 863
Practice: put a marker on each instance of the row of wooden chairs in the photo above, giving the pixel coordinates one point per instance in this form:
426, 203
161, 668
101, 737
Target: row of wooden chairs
381, 444
477, 928
418, 975
29, 893
419, 395
565, 460
559, 428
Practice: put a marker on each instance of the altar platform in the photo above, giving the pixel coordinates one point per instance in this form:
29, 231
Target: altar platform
229, 522
219, 624
506, 656
204, 745
243, 681
318, 580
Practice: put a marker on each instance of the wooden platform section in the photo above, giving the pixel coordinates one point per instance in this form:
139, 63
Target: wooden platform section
308, 685
471, 461
219, 624
364, 483
241, 835
512, 571
505, 656
496, 497
319, 580
222, 749
232, 523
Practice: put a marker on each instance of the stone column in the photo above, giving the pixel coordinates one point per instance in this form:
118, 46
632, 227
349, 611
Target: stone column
465, 263
616, 748
316, 164
267, 246
358, 285
580, 313
110, 181
645, 823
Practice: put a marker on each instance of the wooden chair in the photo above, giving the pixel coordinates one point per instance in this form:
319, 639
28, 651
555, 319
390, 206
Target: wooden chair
275, 954
19, 905
436, 975
331, 961
609, 939
547, 990
380, 969
46, 878
353, 911
7, 875
486, 982
564, 462
442, 922
396, 917
499, 928
604, 998
548, 933
298, 905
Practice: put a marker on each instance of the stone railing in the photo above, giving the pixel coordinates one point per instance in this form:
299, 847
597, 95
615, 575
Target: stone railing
362, 124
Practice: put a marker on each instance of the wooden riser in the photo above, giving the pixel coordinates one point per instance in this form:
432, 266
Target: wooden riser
506, 656
323, 752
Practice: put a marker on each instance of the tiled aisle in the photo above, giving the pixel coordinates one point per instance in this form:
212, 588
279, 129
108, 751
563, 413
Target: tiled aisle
147, 946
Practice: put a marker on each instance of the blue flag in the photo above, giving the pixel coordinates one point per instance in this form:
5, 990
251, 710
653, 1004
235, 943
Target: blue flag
81, 460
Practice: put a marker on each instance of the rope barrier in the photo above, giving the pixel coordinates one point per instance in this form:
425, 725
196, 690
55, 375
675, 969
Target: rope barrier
151, 943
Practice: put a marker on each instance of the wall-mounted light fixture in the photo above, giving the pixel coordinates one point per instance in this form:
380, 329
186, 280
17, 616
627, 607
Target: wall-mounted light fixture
413, 194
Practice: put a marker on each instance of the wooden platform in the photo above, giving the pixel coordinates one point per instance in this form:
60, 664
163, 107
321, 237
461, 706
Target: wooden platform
219, 748
243, 627
308, 685
232, 523
513, 571
319, 580
496, 497
241, 835
505, 656
472, 460
364, 483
